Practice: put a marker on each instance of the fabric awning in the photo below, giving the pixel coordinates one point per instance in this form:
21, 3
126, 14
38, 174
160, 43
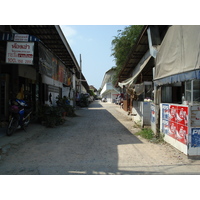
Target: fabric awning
186, 76
128, 82
178, 58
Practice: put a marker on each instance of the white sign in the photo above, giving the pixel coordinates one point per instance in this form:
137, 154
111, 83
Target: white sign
20, 53
21, 37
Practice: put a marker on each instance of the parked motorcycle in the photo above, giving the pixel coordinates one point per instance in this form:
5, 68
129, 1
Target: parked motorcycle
19, 116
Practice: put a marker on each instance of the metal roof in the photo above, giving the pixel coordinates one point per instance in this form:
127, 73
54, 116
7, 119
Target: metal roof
137, 52
53, 38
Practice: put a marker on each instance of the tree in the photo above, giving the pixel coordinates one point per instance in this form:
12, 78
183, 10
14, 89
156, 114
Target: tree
122, 44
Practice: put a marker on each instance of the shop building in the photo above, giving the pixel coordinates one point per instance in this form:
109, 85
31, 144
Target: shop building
136, 77
177, 86
37, 64
161, 83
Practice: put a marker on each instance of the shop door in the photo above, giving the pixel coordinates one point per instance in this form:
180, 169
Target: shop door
4, 96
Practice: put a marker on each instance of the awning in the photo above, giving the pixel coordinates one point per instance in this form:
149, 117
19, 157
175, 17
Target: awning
186, 76
178, 58
128, 82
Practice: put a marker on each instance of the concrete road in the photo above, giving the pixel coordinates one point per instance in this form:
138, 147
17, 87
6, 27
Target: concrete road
100, 140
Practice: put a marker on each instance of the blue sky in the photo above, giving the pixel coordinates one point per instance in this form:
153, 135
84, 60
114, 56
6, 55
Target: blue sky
93, 42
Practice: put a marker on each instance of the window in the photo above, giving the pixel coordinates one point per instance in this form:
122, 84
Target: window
192, 91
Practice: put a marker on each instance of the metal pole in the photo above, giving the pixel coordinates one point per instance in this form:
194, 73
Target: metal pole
80, 72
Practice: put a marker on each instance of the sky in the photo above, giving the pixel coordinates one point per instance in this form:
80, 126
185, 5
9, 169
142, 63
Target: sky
93, 42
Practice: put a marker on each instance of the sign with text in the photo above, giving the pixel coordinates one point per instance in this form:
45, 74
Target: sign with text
195, 133
21, 37
20, 53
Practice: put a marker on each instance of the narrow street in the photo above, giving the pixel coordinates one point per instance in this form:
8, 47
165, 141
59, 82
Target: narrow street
100, 140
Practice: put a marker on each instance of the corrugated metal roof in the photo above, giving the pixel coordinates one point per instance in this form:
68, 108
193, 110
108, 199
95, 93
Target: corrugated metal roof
137, 52
135, 55
53, 38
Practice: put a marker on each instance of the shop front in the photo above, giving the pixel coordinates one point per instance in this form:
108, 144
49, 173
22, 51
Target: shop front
30, 71
137, 91
56, 78
177, 89
18, 70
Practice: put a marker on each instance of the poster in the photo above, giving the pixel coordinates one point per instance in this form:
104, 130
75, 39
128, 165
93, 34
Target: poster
153, 113
45, 61
51, 66
165, 111
195, 116
175, 121
195, 137
20, 53
61, 72
54, 68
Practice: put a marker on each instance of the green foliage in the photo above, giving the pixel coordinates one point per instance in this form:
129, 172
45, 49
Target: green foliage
50, 116
84, 101
146, 133
63, 104
91, 92
122, 44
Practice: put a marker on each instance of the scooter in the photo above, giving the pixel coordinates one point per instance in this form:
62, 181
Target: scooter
19, 116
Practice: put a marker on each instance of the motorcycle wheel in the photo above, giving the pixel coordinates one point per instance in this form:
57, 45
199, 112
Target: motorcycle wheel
12, 126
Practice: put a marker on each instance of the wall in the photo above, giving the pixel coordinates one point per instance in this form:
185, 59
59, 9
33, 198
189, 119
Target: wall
53, 89
142, 112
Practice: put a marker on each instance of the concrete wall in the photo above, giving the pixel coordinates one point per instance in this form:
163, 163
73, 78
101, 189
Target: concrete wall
142, 112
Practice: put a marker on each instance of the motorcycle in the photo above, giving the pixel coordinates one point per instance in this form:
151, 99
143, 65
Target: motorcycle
19, 116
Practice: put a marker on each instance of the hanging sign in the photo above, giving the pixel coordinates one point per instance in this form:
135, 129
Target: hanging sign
20, 53
21, 37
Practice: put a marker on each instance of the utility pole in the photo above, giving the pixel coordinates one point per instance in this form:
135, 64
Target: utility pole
80, 72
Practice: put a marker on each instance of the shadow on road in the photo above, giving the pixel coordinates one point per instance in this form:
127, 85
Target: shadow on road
95, 142
97, 139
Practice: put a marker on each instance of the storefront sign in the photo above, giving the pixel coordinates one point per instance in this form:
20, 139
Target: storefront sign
20, 53
175, 121
21, 37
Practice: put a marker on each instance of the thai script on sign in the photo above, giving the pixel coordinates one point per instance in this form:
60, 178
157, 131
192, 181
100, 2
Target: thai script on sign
20, 46
20, 53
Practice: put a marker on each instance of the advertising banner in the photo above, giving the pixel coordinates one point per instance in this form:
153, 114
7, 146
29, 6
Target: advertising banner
54, 68
45, 61
20, 53
195, 133
195, 126
68, 77
175, 121
61, 72
195, 116
153, 117
51, 66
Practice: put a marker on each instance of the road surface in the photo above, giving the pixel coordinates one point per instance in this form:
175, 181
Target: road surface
100, 140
